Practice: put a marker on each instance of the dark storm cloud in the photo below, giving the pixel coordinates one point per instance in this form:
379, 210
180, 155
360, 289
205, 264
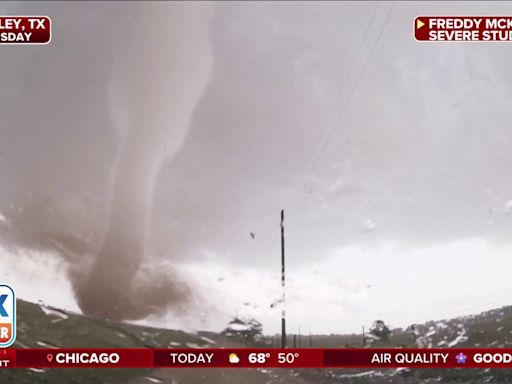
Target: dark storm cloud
413, 159
420, 154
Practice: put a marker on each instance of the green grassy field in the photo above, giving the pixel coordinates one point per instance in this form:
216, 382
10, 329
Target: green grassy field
490, 329
43, 327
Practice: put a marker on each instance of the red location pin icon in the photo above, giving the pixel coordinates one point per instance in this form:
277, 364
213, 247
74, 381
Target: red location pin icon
49, 357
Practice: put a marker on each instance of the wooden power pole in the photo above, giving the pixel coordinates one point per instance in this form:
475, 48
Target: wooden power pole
283, 313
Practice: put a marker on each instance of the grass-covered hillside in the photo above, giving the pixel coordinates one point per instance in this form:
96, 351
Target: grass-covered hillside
44, 327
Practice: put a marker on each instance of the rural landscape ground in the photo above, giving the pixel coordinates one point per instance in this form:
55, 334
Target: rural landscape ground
45, 327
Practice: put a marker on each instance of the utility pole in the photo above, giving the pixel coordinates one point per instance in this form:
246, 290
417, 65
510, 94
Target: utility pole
283, 313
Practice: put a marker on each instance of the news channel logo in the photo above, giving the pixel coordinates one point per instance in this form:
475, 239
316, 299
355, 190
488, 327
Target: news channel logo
7, 316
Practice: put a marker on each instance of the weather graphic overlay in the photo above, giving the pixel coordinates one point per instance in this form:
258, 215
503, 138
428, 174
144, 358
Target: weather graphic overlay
32, 30
7, 316
461, 358
300, 192
464, 28
233, 358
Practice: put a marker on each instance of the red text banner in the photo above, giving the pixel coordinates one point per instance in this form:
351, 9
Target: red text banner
84, 358
256, 358
238, 358
463, 28
15, 30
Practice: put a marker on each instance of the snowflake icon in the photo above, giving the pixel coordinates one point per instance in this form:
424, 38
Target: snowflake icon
461, 358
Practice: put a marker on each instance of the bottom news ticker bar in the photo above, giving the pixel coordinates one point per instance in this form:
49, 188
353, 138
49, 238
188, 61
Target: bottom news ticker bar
254, 358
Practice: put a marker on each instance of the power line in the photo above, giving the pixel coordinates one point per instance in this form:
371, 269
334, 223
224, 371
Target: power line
343, 84
347, 103
311, 157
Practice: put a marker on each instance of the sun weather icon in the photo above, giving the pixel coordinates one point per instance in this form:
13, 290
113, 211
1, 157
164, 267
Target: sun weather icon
233, 358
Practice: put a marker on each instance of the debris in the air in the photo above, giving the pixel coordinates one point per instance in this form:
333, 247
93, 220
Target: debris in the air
153, 380
208, 340
370, 225
50, 311
45, 344
275, 303
37, 370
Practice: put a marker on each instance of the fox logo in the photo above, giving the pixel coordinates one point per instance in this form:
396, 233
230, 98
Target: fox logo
7, 316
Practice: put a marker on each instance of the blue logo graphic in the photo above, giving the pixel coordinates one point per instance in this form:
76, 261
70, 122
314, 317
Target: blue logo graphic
7, 316
3, 312
461, 358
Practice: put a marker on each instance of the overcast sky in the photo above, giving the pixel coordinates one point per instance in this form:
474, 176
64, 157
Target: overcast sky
390, 157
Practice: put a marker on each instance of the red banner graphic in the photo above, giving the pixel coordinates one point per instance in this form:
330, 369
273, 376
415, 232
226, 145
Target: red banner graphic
463, 28
256, 358
25, 30
83, 358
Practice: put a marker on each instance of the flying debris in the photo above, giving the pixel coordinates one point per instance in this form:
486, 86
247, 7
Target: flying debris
253, 235
3, 220
276, 303
370, 225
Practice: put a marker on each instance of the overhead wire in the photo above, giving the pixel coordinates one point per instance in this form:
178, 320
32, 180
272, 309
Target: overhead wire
315, 160
353, 90
344, 82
